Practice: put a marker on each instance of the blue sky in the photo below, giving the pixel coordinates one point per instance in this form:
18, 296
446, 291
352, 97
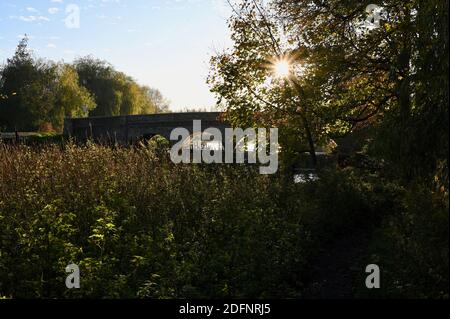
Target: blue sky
162, 43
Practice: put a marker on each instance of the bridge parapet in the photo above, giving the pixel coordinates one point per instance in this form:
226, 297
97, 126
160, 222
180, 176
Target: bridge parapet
130, 128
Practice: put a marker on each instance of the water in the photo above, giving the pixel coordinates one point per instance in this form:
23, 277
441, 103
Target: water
305, 177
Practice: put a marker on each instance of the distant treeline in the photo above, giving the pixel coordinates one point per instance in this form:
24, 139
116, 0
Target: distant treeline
36, 94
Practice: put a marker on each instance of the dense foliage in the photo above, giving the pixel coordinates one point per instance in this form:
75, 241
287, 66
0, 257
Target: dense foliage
377, 77
140, 226
36, 95
344, 77
116, 93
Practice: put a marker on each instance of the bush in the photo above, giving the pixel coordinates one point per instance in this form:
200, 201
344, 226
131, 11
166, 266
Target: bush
139, 226
411, 247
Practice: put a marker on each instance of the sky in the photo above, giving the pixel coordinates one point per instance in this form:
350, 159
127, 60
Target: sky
165, 44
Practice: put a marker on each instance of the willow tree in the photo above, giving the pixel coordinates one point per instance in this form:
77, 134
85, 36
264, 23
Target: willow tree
71, 99
37, 94
115, 92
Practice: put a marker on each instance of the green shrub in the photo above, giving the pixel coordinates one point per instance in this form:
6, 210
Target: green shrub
411, 247
139, 226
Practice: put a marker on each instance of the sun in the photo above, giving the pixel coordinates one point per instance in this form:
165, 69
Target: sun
282, 68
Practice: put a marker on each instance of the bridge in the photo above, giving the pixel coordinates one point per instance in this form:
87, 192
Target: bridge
129, 129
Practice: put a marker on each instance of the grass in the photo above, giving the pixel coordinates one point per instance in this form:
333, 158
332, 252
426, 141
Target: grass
139, 226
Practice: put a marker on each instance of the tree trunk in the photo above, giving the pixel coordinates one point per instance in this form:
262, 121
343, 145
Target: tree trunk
309, 136
312, 147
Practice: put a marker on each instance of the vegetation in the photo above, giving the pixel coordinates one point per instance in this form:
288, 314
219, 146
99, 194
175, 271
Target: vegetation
116, 93
385, 85
342, 77
36, 95
139, 226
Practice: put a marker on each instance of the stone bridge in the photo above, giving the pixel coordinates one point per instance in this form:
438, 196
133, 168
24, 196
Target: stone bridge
131, 128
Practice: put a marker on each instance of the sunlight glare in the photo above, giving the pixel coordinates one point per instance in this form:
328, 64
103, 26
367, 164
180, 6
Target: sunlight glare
282, 68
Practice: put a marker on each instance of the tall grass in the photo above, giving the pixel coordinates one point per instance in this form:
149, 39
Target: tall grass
139, 226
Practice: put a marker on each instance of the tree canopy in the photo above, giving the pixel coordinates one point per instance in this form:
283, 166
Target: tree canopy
36, 94
116, 93
389, 77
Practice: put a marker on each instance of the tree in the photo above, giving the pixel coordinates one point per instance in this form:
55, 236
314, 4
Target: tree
245, 81
157, 100
39, 93
115, 92
393, 78
345, 75
16, 76
99, 78
72, 100
36, 94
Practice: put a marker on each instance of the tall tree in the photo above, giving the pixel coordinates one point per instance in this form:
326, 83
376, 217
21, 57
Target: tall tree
37, 93
72, 100
352, 65
16, 77
262, 82
99, 77
115, 92
392, 76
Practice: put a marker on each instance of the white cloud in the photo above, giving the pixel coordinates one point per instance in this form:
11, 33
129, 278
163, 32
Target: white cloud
31, 18
51, 46
53, 10
31, 9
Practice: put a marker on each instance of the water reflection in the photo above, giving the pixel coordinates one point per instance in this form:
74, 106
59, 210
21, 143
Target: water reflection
305, 177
